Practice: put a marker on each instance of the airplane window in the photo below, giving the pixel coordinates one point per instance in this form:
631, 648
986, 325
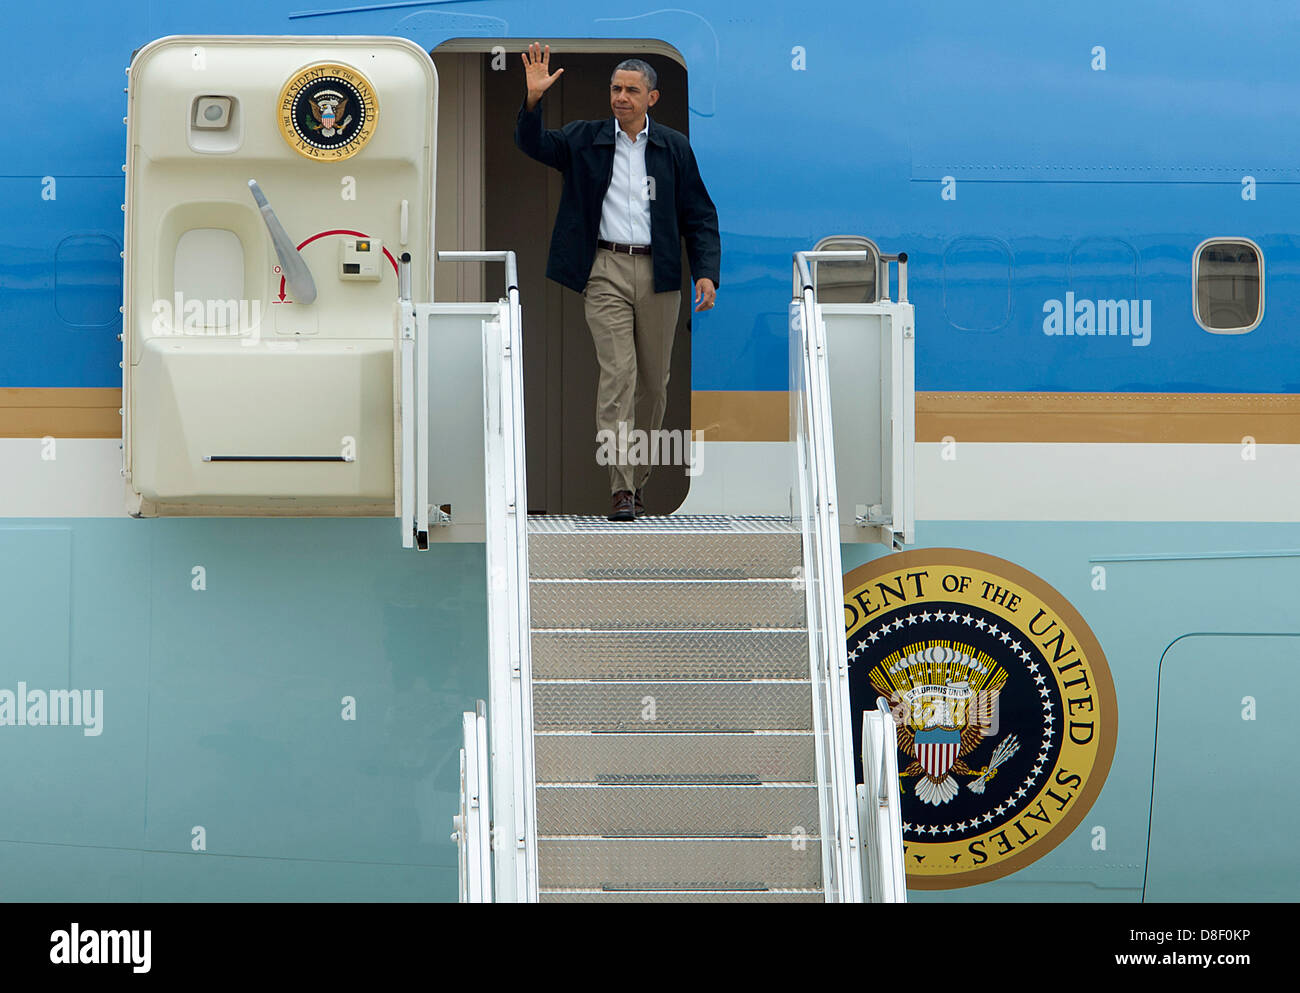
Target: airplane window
977, 284
845, 282
1228, 281
88, 281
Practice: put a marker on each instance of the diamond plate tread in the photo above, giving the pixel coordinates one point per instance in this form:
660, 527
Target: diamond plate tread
666, 758
596, 863
682, 896
668, 555
672, 706
684, 604
667, 524
713, 654
677, 811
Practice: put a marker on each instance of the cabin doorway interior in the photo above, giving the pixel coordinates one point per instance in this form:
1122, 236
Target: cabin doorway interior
492, 196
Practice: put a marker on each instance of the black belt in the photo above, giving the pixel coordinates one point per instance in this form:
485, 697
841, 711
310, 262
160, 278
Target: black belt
614, 246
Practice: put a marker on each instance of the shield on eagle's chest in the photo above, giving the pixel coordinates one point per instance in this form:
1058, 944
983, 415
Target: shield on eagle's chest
937, 750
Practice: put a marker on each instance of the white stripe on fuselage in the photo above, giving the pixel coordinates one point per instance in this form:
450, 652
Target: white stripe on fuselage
984, 482
1106, 482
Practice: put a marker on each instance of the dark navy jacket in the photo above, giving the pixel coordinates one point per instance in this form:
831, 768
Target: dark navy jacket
681, 208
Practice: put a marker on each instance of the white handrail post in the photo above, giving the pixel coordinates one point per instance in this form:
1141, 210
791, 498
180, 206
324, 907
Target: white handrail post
459, 828
882, 808
827, 648
511, 712
407, 330
512, 416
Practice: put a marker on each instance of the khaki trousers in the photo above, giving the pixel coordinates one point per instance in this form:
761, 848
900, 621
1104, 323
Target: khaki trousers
632, 327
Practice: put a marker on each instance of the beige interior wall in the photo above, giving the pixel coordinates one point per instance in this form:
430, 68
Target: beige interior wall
458, 209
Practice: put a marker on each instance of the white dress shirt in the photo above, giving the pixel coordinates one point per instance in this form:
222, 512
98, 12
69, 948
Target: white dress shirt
625, 214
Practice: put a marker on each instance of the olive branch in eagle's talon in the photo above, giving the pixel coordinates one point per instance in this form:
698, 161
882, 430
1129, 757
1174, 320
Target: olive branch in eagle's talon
1007, 747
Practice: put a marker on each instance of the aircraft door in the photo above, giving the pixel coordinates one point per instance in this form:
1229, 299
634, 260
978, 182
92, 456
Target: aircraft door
273, 183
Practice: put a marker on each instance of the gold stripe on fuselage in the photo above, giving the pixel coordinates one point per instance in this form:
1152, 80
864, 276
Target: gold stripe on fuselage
1146, 418
763, 415
60, 413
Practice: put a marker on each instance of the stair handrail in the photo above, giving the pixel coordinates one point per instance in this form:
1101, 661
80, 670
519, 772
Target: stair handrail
823, 583
881, 809
472, 824
514, 814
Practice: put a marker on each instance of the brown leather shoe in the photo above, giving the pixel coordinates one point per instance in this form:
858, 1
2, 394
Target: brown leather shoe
623, 506
639, 507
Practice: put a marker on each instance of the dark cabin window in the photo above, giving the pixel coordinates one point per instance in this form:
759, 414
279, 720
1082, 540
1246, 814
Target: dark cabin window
1228, 285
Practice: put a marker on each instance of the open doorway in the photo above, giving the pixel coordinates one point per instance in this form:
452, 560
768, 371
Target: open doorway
491, 195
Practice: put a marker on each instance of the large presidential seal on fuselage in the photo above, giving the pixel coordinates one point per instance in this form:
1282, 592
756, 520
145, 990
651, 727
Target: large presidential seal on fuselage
1003, 701
327, 112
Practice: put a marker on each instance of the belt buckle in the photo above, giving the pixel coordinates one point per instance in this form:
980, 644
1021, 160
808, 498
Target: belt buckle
629, 249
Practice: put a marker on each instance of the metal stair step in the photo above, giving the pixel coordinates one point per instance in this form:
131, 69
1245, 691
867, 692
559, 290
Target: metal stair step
655, 553
651, 654
671, 605
677, 779
685, 895
672, 706
660, 525
712, 811
585, 757
727, 864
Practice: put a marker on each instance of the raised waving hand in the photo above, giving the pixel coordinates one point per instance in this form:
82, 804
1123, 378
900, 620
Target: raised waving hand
537, 72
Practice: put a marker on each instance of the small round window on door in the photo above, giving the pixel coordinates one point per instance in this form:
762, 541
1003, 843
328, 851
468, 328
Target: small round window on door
1228, 285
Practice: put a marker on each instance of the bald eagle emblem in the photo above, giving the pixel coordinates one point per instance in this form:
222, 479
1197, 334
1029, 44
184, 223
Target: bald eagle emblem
944, 700
329, 110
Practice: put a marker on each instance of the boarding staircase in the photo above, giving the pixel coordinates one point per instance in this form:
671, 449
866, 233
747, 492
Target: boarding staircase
669, 716
672, 711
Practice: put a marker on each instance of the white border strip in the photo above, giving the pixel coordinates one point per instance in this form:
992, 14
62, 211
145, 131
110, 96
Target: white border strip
984, 482
1106, 482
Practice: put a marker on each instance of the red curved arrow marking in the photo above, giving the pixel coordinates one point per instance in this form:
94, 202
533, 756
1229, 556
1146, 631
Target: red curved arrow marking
326, 234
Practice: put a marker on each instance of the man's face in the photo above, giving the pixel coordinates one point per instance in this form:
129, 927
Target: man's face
629, 96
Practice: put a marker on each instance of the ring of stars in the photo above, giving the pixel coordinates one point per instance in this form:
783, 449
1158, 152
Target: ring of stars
1045, 747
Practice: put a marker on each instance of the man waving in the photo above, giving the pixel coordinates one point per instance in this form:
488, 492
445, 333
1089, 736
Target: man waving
632, 191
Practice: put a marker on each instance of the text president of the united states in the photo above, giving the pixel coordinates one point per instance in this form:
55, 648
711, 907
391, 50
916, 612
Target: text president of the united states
632, 191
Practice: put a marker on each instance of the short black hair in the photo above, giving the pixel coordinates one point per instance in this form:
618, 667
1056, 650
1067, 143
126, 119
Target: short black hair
637, 65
